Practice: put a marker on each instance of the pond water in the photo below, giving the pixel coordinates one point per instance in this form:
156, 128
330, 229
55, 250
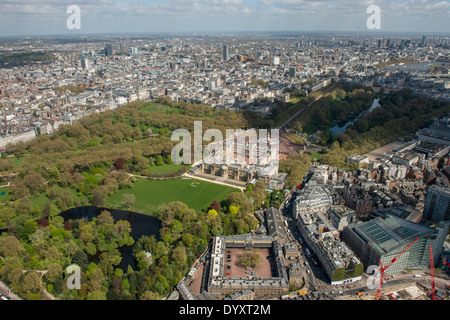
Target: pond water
337, 130
141, 224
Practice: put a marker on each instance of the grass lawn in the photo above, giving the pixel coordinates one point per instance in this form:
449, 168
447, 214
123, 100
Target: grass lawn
315, 156
41, 199
165, 168
156, 107
4, 198
197, 194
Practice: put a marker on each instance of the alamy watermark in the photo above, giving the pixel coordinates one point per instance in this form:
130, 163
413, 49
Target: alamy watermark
73, 280
373, 281
374, 20
74, 20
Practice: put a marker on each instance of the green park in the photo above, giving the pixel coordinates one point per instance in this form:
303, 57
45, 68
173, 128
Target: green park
150, 193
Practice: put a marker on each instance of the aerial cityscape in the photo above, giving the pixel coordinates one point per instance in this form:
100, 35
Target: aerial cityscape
207, 156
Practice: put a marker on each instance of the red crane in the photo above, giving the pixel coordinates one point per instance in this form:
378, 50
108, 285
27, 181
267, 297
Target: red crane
433, 291
384, 268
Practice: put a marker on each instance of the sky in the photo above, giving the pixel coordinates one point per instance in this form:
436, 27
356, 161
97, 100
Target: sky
47, 17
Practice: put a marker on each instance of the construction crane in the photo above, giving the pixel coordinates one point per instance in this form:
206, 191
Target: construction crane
384, 268
433, 290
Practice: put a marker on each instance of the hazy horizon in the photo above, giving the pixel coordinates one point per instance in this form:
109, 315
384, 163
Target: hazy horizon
49, 17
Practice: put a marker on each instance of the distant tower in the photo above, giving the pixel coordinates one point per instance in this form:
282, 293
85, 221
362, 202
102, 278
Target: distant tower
225, 53
108, 49
292, 72
121, 48
276, 61
85, 64
424, 38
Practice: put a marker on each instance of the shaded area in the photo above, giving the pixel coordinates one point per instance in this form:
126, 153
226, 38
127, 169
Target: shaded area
141, 225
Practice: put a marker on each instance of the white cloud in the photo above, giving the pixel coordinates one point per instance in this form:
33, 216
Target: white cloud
420, 15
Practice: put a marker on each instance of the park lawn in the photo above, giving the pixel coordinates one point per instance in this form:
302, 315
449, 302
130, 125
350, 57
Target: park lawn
156, 107
4, 198
41, 199
165, 167
316, 156
197, 194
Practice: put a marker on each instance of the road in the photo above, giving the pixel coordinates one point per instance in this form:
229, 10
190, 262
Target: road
304, 109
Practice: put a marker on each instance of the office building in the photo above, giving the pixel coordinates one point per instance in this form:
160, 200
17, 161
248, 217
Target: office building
437, 204
340, 216
384, 237
85, 64
108, 49
225, 53
292, 72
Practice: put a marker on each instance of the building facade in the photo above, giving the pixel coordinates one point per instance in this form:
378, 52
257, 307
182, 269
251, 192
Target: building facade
437, 204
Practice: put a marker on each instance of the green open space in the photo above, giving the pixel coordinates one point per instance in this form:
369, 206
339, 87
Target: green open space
42, 199
156, 107
165, 168
316, 156
149, 194
4, 198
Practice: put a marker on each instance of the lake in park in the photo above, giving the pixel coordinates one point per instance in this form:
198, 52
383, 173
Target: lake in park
141, 224
336, 130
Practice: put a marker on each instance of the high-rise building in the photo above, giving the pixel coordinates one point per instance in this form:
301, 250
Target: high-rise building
437, 204
380, 43
388, 43
383, 238
276, 61
108, 49
85, 65
225, 53
292, 72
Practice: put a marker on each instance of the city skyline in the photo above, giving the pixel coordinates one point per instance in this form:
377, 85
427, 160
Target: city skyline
49, 17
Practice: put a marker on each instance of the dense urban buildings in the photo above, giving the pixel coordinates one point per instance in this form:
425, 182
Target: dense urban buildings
312, 235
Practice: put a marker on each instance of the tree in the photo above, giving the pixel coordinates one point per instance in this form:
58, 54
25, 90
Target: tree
128, 200
54, 271
215, 205
31, 283
18, 190
105, 218
159, 160
96, 295
233, 210
187, 239
10, 246
150, 295
250, 258
27, 229
23, 206
119, 163
34, 182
